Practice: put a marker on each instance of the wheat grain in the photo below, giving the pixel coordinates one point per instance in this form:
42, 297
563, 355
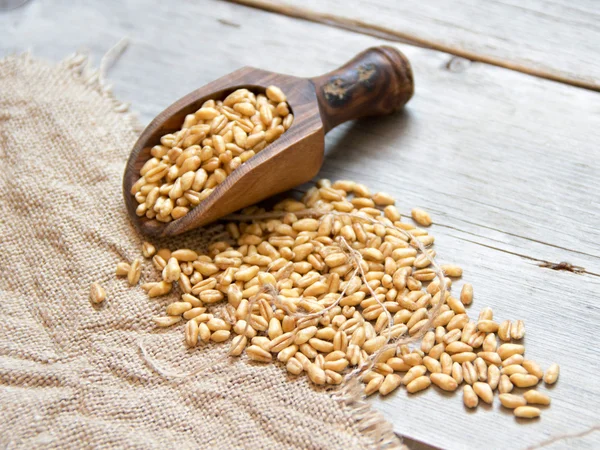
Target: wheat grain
332, 293
551, 374
527, 412
97, 293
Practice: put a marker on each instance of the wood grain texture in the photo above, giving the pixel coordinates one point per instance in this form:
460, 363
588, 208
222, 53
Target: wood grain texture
507, 165
378, 81
555, 40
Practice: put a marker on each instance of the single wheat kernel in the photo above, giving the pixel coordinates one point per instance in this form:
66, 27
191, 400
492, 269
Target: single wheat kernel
397, 364
523, 380
490, 357
536, 397
452, 270
505, 386
385, 354
432, 365
456, 305
282, 342
437, 350
440, 333
184, 255
457, 372
551, 374
493, 376
194, 312
428, 341
466, 294
383, 199
418, 384
340, 364
166, 321
164, 253
412, 359
294, 366
486, 314
414, 373
391, 212
512, 401
527, 412
373, 384
487, 326
490, 344
457, 322
97, 293
216, 324
470, 399
285, 354
238, 344
453, 336
514, 368
220, 335
507, 350
135, 271
481, 368
476, 340
316, 374
256, 353
275, 94
391, 382
518, 330
484, 391
191, 333
374, 344
160, 288
458, 347
194, 301
369, 375
148, 250
122, 269
533, 368
421, 217
446, 362
467, 332
158, 262
333, 377
178, 308
443, 381
504, 330
514, 359
203, 331
464, 357
172, 271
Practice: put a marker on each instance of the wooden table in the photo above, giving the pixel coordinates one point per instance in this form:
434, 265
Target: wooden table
507, 163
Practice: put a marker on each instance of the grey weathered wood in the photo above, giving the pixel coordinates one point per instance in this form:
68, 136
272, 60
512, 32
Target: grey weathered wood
556, 39
507, 164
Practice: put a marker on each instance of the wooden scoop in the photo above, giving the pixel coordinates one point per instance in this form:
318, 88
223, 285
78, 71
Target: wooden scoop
377, 81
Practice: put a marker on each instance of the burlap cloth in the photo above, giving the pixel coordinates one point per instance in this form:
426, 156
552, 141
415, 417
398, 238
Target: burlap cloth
72, 374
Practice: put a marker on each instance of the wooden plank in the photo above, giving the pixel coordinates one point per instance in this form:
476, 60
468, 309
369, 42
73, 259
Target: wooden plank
506, 163
555, 40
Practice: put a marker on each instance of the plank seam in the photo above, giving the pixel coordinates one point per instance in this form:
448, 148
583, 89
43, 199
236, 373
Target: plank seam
378, 31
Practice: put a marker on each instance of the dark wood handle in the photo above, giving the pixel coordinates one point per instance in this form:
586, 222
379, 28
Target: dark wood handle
375, 82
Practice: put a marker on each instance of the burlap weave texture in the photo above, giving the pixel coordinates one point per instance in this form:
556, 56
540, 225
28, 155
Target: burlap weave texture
71, 374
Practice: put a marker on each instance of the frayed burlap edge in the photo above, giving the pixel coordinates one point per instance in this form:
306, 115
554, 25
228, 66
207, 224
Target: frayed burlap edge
367, 421
80, 66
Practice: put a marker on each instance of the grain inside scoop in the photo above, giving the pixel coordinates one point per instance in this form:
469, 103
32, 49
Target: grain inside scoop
377, 81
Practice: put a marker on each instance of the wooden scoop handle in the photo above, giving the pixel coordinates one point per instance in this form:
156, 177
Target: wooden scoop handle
375, 82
